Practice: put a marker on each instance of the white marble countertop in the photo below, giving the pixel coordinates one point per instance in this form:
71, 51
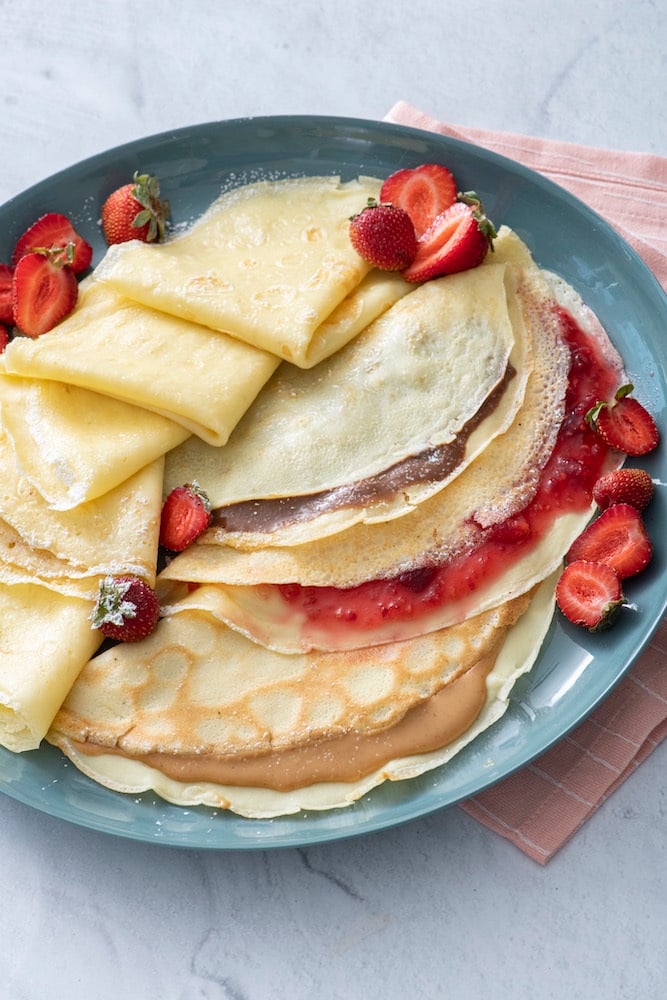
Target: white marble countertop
439, 906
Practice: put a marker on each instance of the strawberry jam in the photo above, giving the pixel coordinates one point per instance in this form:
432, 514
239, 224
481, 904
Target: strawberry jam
566, 484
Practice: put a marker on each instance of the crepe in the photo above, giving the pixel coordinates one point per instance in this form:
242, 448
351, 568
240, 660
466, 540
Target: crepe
196, 701
268, 263
198, 378
252, 589
387, 422
45, 639
115, 533
73, 444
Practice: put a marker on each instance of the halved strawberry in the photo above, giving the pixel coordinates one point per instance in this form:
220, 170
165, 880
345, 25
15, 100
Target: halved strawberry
424, 192
624, 423
4, 338
384, 236
52, 232
617, 537
44, 291
186, 514
589, 594
127, 608
6, 275
457, 240
633, 486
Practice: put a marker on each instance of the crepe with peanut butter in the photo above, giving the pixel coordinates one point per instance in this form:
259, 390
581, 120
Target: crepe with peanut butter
268, 263
202, 716
375, 430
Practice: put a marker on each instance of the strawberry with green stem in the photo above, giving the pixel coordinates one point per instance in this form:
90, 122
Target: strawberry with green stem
135, 211
624, 424
589, 594
127, 608
53, 232
457, 240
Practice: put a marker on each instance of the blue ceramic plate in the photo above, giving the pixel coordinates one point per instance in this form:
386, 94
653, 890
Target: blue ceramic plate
574, 671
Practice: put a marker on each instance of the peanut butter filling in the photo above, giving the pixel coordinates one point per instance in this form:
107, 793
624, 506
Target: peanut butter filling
428, 726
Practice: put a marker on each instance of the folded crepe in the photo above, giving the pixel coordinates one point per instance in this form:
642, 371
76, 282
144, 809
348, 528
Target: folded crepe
45, 639
73, 444
372, 432
202, 716
195, 377
268, 263
274, 594
115, 533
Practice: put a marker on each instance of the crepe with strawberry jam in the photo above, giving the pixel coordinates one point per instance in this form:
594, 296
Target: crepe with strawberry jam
372, 432
201, 715
268, 263
493, 532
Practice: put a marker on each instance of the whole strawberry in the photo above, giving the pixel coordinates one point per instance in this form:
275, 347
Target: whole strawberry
186, 514
4, 338
135, 212
633, 486
127, 608
384, 236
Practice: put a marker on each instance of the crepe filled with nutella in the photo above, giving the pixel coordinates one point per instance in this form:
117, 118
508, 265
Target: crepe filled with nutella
372, 432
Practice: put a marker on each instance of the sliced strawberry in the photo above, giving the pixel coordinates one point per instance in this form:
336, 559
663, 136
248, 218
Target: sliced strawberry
44, 291
424, 192
384, 236
52, 232
6, 275
185, 515
458, 240
589, 594
633, 486
4, 338
617, 537
624, 423
127, 608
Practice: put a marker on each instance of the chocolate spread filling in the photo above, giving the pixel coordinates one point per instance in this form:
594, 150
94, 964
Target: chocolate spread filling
430, 466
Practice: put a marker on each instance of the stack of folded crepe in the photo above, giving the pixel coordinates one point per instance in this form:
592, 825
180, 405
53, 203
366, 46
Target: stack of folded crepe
401, 427
88, 411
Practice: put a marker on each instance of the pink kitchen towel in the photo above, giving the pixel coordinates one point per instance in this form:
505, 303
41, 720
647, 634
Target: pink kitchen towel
541, 807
